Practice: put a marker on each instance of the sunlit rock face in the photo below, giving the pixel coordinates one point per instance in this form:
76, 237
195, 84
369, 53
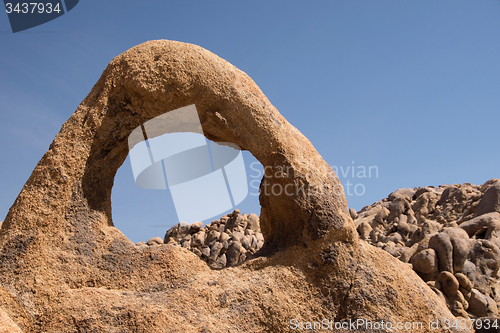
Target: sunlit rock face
65, 267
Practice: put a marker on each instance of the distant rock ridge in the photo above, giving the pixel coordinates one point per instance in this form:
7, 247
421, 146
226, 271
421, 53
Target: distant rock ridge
449, 235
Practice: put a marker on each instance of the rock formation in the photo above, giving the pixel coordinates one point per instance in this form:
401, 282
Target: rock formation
224, 243
64, 267
449, 235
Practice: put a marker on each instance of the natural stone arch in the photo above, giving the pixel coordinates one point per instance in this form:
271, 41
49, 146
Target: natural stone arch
157, 77
65, 262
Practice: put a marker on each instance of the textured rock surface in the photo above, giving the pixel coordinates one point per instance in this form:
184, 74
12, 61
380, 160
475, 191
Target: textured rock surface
233, 239
450, 235
67, 269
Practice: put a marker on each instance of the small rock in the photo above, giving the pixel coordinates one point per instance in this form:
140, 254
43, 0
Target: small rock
205, 251
253, 222
195, 227
403, 193
237, 236
395, 237
246, 242
478, 304
441, 244
154, 241
407, 253
353, 213
140, 244
177, 232
458, 309
212, 237
466, 293
486, 256
219, 263
492, 306
425, 261
233, 253
198, 239
224, 237
214, 251
490, 202
382, 215
196, 251
449, 284
463, 281
364, 230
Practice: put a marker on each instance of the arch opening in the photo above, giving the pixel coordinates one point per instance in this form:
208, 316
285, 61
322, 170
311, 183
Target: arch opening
141, 214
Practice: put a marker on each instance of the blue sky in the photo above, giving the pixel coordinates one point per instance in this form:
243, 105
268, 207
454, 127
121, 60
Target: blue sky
409, 87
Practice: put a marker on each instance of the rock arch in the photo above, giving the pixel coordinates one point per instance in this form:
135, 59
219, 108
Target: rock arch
156, 77
61, 254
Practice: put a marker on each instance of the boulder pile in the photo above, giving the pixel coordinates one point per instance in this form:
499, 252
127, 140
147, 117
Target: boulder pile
232, 239
449, 235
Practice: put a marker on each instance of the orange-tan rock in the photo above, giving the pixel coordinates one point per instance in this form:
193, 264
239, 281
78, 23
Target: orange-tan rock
66, 268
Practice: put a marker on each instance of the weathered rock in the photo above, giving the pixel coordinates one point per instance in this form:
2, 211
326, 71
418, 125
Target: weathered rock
461, 247
154, 241
395, 237
490, 201
195, 227
364, 230
463, 281
54, 242
397, 207
177, 232
212, 237
486, 256
382, 215
408, 252
466, 293
458, 310
220, 262
449, 284
196, 251
492, 306
424, 243
478, 304
487, 225
253, 222
246, 242
237, 236
214, 252
233, 253
403, 226
441, 243
425, 261
224, 237
403, 193
198, 239
186, 244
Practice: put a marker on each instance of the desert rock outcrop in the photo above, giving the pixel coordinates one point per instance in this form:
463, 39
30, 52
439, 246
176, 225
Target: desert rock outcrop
68, 269
450, 236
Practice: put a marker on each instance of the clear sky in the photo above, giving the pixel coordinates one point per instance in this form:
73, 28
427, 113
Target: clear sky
409, 87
